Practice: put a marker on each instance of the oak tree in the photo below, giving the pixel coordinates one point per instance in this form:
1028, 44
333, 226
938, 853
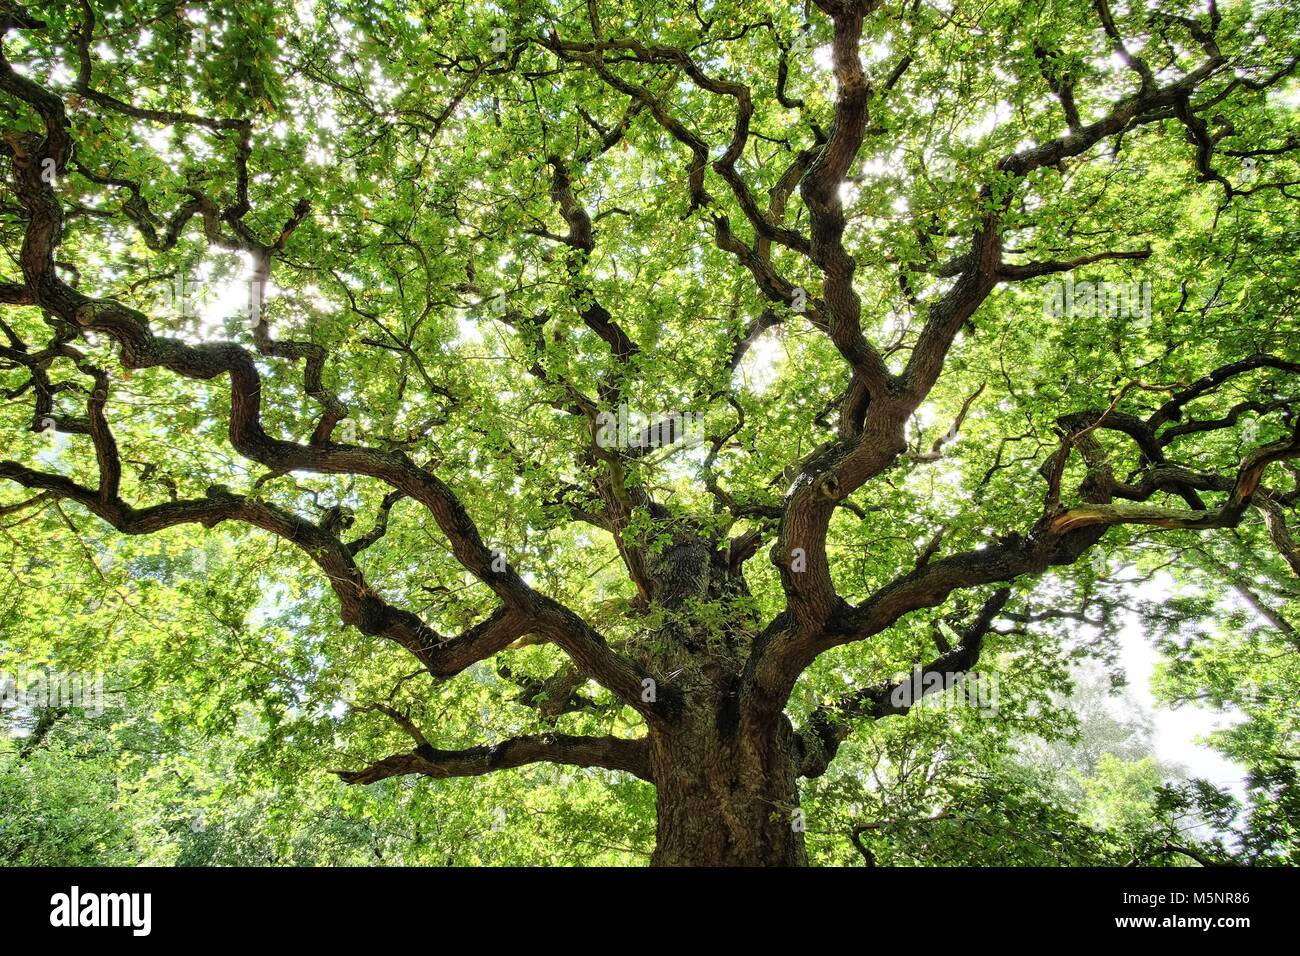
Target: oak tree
670, 389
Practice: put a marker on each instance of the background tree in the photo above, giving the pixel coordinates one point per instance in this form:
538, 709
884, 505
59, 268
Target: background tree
433, 250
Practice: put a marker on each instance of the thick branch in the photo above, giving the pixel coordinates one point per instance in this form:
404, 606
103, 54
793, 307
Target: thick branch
610, 753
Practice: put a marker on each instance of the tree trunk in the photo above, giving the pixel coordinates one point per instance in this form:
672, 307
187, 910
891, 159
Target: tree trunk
725, 799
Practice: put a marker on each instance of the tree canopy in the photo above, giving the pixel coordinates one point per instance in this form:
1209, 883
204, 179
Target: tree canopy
604, 423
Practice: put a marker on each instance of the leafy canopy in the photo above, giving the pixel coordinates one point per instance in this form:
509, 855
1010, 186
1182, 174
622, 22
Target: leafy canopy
860, 241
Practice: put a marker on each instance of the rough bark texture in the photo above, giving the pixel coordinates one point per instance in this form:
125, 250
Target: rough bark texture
723, 799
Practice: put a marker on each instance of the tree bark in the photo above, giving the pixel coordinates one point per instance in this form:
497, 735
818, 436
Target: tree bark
724, 799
